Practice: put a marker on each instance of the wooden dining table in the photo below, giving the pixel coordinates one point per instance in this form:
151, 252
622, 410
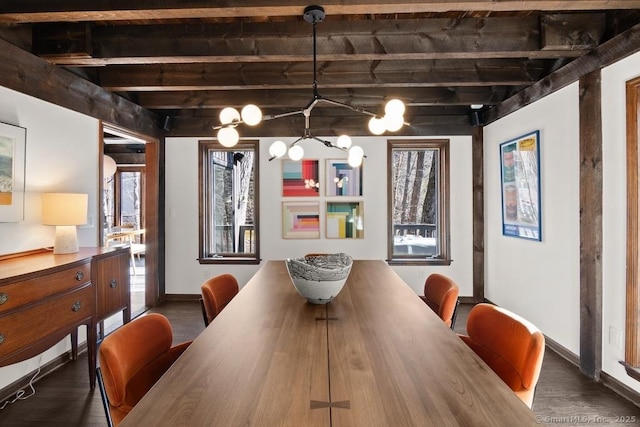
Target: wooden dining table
374, 356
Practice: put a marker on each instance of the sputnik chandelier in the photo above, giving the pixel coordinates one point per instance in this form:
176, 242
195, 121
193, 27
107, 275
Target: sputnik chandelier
251, 115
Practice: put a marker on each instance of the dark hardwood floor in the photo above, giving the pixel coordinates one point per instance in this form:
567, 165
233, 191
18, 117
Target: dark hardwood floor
563, 397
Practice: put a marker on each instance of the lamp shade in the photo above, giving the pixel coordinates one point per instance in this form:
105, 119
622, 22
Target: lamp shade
65, 211
64, 208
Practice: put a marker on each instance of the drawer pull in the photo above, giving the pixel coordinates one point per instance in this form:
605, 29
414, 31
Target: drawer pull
113, 283
1, 338
79, 275
76, 306
3, 298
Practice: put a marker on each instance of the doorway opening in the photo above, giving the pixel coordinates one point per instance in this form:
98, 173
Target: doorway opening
124, 211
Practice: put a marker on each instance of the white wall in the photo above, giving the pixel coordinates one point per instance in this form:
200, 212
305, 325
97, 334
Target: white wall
61, 156
184, 274
539, 280
526, 276
615, 214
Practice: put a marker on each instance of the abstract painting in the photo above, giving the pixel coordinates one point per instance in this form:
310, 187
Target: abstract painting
343, 179
300, 178
345, 220
300, 220
12, 170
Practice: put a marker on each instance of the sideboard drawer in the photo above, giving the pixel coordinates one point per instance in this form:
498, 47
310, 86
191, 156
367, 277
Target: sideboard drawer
24, 292
19, 330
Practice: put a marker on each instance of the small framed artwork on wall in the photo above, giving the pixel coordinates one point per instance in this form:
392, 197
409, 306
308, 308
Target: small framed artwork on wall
520, 180
345, 220
300, 178
12, 172
300, 220
343, 179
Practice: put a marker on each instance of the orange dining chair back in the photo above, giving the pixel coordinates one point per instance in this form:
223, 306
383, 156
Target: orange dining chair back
509, 344
217, 292
441, 295
132, 358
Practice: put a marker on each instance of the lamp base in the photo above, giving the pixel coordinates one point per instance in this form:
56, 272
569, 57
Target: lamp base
66, 240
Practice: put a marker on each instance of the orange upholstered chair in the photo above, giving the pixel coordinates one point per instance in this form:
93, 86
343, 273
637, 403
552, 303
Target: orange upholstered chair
132, 359
441, 295
510, 345
217, 292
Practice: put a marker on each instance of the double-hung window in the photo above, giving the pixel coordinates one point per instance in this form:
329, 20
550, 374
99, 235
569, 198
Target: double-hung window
229, 214
418, 192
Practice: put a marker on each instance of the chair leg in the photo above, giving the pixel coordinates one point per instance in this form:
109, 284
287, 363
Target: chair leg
453, 316
105, 398
204, 313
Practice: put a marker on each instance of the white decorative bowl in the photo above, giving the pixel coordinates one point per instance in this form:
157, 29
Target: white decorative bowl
319, 278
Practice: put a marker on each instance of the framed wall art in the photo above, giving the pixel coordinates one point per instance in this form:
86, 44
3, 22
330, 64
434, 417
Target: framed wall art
520, 182
300, 220
300, 178
13, 140
345, 220
343, 179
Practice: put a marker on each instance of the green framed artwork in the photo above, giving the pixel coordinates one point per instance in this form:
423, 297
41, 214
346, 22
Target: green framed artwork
345, 220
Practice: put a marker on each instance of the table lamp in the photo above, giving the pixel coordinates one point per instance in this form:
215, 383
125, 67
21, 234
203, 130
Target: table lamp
65, 211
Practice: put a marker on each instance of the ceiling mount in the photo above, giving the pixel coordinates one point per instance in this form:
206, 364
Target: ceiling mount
251, 115
314, 14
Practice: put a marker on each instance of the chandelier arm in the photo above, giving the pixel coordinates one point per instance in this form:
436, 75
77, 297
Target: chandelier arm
354, 108
278, 116
329, 144
350, 107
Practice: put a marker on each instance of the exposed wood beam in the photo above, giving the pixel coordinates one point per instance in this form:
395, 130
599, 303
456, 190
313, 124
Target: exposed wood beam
412, 97
19, 11
420, 125
591, 233
477, 165
377, 40
330, 75
607, 53
33, 76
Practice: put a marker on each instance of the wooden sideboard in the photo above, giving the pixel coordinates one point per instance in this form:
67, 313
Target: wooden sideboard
45, 297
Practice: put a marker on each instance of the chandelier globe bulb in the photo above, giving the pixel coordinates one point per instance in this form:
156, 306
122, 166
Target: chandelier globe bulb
251, 114
354, 161
228, 136
229, 115
344, 141
277, 149
392, 122
394, 107
296, 153
377, 126
356, 152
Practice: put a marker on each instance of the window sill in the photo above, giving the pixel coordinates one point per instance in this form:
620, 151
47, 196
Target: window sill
419, 261
229, 260
631, 371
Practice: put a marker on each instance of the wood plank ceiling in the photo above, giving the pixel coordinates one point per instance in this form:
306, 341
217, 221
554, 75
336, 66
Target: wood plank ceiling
185, 60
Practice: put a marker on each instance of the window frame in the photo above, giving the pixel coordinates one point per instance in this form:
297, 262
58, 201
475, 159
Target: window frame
204, 170
632, 316
443, 185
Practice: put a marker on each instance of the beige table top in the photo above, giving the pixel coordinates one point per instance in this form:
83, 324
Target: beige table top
375, 356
